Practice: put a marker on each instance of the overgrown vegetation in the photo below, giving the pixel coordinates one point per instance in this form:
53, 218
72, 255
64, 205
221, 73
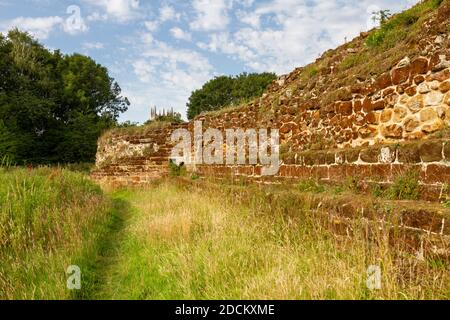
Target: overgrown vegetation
397, 28
49, 219
205, 241
227, 91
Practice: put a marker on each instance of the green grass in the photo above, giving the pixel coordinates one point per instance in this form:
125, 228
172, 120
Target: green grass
398, 27
205, 241
49, 219
185, 239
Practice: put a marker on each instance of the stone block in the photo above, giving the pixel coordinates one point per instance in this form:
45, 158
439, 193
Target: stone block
419, 66
370, 155
430, 151
409, 153
400, 75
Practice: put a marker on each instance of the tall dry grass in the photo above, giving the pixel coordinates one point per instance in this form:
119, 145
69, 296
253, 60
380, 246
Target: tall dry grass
49, 219
239, 242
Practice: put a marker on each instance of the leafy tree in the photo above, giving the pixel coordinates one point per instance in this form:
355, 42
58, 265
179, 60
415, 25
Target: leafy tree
53, 107
226, 91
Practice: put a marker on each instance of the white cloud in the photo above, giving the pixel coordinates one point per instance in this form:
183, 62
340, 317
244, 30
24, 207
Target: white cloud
180, 34
167, 13
283, 34
93, 45
169, 75
211, 14
38, 27
121, 10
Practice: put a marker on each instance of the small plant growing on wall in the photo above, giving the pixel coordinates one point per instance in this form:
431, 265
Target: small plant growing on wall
405, 187
176, 170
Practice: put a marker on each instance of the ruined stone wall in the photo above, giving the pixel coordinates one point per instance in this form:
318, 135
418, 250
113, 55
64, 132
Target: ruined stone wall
336, 120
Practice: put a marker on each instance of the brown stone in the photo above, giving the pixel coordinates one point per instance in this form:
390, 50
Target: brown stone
445, 86
415, 104
370, 155
357, 105
409, 153
399, 114
419, 79
386, 115
439, 76
447, 150
383, 81
367, 105
391, 99
345, 108
352, 155
437, 173
433, 127
367, 131
428, 114
371, 118
400, 75
417, 135
430, 151
392, 131
411, 91
419, 66
379, 105
387, 92
447, 99
411, 124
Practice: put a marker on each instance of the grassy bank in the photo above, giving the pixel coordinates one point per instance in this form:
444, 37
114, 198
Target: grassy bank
49, 219
179, 239
209, 242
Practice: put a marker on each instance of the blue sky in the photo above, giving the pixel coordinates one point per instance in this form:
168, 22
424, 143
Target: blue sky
160, 51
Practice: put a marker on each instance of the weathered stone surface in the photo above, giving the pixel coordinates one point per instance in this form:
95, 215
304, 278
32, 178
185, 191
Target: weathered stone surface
433, 127
386, 115
400, 113
392, 131
409, 153
379, 105
372, 118
419, 79
367, 131
383, 81
411, 124
430, 151
400, 75
444, 86
370, 155
423, 88
433, 99
428, 114
447, 99
344, 108
411, 91
447, 151
419, 66
415, 104
439, 76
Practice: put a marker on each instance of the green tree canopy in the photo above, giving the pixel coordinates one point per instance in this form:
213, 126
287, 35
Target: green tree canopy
53, 107
227, 91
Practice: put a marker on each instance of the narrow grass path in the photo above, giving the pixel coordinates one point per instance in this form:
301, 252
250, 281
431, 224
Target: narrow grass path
108, 249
